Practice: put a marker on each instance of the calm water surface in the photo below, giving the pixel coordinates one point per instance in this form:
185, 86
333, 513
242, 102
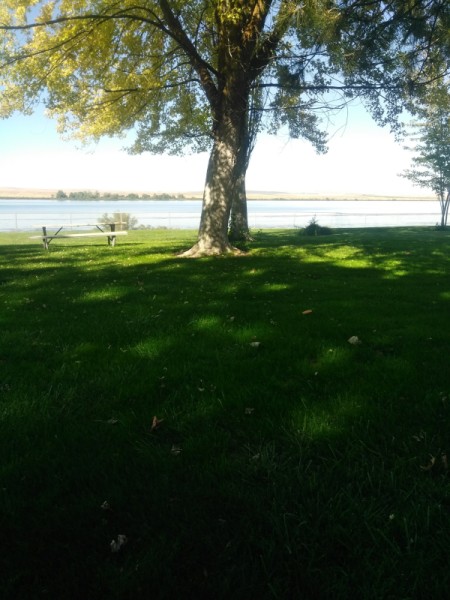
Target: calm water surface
25, 215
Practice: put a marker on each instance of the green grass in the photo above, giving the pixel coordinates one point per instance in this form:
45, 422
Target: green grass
292, 468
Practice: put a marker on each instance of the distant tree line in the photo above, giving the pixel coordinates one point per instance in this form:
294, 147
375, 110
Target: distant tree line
89, 195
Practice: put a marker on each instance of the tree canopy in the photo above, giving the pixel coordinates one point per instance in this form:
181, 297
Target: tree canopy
210, 74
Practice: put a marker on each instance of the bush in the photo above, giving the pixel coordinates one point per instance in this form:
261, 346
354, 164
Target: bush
313, 228
124, 221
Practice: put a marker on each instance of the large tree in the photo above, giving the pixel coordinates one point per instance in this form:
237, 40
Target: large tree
209, 74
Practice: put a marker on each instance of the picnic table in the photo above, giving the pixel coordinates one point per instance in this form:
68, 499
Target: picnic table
110, 233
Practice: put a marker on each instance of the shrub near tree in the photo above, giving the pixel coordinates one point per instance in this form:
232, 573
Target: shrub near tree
124, 221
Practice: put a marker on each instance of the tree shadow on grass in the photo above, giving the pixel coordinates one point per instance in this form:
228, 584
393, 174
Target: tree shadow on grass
287, 461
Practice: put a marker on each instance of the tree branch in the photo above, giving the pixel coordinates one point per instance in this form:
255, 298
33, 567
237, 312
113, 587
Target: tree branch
202, 68
173, 29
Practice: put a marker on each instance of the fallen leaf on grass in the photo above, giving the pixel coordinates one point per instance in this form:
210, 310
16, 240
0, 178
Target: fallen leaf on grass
307, 312
443, 463
255, 344
430, 464
116, 545
156, 423
354, 340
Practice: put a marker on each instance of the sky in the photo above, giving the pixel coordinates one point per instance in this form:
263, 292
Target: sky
363, 159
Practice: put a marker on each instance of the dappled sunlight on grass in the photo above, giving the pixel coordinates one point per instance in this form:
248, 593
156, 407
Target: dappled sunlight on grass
108, 294
253, 273
152, 348
318, 422
275, 287
206, 322
336, 356
280, 446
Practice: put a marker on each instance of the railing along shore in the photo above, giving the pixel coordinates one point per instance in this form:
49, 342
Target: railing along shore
17, 222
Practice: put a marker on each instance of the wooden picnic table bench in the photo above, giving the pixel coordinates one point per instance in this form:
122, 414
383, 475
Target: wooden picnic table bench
110, 235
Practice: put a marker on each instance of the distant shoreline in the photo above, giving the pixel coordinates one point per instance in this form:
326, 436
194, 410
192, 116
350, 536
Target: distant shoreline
255, 199
38, 194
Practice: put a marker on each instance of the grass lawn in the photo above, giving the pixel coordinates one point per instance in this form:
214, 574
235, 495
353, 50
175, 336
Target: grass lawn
284, 461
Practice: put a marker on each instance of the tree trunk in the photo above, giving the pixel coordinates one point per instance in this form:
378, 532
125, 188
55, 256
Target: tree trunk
444, 200
217, 196
444, 210
227, 167
220, 189
239, 230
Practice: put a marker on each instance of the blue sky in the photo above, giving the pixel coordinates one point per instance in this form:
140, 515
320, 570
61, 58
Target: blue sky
362, 159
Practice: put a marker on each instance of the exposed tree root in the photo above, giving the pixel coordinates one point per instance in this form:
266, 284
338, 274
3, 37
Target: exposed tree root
199, 250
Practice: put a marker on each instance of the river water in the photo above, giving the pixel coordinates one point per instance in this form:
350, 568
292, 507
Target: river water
26, 215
